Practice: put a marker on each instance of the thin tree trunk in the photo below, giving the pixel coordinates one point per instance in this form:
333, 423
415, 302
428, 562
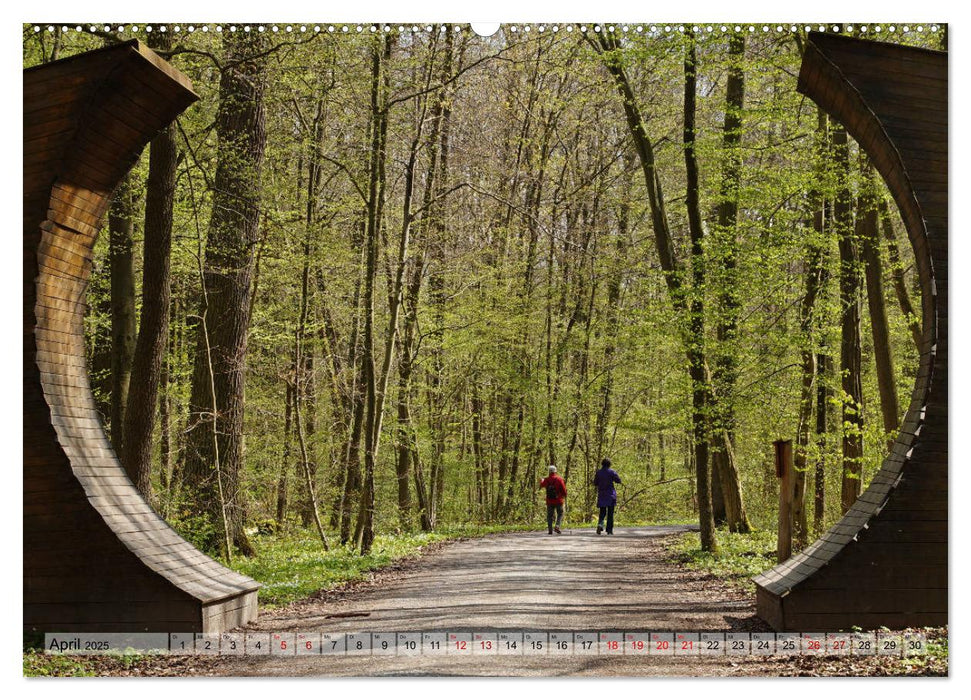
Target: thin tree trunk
350, 494
404, 452
614, 285
301, 439
282, 482
868, 234
430, 221
897, 273
815, 279
480, 477
823, 363
850, 352
121, 222
380, 89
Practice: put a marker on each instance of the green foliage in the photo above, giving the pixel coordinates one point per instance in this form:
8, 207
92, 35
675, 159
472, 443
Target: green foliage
198, 528
935, 660
740, 556
37, 663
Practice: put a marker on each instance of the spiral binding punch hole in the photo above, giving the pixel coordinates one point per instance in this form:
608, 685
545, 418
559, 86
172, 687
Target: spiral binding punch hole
488, 29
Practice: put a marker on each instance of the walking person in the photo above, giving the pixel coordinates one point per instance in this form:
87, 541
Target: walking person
604, 480
555, 495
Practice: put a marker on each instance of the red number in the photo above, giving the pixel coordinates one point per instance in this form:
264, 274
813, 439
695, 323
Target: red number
485, 644
839, 644
638, 644
460, 645
662, 645
283, 644
309, 645
612, 645
814, 644
686, 645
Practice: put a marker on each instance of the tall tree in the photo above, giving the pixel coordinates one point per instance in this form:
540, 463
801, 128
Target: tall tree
725, 372
701, 403
815, 279
867, 233
850, 284
121, 243
374, 396
427, 220
153, 326
215, 450
608, 46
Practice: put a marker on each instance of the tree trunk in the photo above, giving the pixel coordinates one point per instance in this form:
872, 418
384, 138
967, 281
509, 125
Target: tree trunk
374, 395
480, 490
723, 466
298, 421
850, 352
233, 234
823, 363
608, 46
350, 493
701, 402
121, 222
614, 285
868, 235
403, 465
897, 274
156, 288
815, 278
282, 482
165, 427
429, 222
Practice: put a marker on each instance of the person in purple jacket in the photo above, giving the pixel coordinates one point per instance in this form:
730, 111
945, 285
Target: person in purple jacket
604, 480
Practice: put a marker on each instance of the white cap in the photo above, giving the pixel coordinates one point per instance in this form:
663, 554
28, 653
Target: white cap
552, 468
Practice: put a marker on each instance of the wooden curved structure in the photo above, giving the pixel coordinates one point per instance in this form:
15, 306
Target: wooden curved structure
885, 562
96, 556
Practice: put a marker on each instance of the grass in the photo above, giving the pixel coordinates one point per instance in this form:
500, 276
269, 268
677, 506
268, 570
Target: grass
39, 664
293, 566
739, 556
935, 661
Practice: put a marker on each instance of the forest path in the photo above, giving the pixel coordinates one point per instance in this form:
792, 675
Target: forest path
577, 581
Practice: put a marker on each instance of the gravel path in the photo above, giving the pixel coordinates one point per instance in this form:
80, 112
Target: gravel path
520, 581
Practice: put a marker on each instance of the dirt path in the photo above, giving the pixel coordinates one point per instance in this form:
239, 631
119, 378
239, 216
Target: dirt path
520, 581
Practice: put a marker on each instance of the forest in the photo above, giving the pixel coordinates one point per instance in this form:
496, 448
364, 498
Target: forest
378, 278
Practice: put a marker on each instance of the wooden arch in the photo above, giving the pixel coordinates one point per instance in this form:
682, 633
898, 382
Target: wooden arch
885, 562
96, 556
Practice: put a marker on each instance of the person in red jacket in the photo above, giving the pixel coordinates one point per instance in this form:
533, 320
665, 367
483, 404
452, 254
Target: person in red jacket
555, 493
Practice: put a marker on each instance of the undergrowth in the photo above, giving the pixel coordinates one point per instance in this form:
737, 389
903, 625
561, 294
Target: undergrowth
739, 558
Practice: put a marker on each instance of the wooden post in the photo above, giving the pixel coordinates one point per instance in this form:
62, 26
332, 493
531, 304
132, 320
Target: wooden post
783, 470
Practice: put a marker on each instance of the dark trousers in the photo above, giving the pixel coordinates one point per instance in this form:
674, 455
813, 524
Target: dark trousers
607, 512
550, 510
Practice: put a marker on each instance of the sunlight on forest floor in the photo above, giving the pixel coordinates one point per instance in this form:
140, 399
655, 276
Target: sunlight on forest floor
293, 566
740, 556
